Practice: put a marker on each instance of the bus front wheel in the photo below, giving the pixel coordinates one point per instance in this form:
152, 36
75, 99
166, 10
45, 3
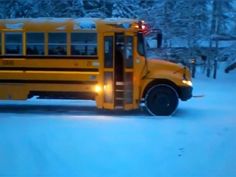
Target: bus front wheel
161, 100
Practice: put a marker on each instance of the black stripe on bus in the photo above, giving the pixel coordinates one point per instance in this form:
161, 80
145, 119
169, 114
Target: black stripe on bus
48, 69
62, 95
49, 57
45, 82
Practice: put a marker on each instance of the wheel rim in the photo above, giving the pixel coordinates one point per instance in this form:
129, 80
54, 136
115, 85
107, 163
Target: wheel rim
166, 105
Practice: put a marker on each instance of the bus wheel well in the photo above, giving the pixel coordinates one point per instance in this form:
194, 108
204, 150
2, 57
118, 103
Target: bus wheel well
158, 82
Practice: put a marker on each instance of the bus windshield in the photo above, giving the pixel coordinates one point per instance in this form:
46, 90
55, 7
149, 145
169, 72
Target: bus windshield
152, 42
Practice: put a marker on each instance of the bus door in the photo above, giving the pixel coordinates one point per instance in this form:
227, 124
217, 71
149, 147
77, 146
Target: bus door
118, 71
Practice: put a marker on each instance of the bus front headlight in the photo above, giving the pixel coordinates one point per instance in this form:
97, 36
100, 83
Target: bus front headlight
186, 82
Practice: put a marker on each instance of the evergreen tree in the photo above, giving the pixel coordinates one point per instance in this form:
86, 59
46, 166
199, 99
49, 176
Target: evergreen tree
166, 20
125, 9
220, 18
2, 15
98, 8
44, 8
69, 8
16, 8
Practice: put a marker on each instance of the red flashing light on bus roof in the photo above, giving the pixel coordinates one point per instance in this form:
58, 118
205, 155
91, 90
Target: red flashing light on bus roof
142, 26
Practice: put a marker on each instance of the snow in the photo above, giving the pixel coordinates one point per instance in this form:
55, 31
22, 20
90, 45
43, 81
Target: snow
112, 20
79, 23
84, 24
49, 19
126, 25
62, 28
15, 25
72, 138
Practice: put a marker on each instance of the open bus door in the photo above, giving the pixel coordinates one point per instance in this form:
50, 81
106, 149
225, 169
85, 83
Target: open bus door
117, 71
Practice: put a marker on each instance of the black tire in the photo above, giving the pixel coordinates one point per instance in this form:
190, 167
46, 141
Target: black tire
161, 100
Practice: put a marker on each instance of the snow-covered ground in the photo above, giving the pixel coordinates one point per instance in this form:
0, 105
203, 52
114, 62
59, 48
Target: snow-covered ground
72, 138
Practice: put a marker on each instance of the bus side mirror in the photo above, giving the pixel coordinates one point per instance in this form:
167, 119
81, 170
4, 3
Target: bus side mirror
154, 39
159, 40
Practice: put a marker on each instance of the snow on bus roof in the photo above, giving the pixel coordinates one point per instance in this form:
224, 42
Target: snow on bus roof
62, 28
117, 20
79, 23
121, 22
86, 23
64, 20
18, 23
14, 25
48, 20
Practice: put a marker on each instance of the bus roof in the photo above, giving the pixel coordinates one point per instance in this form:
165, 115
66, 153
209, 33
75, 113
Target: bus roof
67, 24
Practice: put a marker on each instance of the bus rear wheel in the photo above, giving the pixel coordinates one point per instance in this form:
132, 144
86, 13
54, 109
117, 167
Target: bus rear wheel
161, 100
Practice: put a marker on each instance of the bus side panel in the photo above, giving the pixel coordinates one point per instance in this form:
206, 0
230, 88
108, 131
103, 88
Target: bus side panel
13, 92
23, 91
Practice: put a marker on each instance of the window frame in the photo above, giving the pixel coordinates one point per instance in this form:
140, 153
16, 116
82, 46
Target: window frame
12, 44
108, 52
1, 43
129, 49
35, 44
88, 44
141, 44
57, 44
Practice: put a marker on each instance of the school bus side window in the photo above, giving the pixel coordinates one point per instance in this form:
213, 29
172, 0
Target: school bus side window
141, 44
35, 43
129, 52
83, 43
0, 43
13, 43
57, 44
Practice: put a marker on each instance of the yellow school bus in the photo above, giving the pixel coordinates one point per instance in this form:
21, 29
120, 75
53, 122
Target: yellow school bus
97, 59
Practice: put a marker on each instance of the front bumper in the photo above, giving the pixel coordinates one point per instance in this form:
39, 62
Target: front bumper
185, 93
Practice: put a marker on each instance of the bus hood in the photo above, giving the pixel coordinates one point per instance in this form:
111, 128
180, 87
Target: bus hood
162, 67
